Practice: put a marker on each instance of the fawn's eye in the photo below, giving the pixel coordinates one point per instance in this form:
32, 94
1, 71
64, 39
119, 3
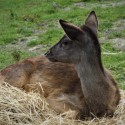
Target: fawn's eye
65, 43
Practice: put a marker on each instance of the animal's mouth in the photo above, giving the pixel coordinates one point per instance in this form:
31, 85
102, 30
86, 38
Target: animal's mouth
50, 56
52, 59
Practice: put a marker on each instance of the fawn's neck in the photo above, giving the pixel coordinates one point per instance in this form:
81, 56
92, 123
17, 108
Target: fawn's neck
93, 81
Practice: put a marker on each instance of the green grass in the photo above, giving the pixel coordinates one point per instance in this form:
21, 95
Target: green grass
7, 58
22, 18
114, 62
117, 34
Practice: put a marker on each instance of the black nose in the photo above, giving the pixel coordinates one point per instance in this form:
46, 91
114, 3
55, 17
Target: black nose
47, 53
50, 56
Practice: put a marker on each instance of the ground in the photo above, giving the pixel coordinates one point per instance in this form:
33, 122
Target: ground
29, 27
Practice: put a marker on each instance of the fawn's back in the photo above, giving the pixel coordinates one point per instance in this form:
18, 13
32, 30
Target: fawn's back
39, 70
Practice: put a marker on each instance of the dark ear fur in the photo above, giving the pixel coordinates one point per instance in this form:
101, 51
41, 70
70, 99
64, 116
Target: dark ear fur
92, 22
71, 30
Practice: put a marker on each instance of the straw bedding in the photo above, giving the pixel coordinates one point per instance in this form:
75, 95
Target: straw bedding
20, 108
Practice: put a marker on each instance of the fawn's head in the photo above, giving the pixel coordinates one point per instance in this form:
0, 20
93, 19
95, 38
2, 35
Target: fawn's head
77, 40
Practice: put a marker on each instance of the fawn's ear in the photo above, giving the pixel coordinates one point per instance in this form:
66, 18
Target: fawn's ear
92, 22
71, 30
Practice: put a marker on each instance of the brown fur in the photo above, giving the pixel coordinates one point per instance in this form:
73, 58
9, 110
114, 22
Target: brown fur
58, 82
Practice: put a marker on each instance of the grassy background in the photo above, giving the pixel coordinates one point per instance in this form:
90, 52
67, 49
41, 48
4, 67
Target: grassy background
20, 19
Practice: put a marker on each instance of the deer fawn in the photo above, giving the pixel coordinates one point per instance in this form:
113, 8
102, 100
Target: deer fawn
81, 47
59, 82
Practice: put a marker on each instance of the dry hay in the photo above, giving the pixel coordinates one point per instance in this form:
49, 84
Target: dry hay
20, 108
